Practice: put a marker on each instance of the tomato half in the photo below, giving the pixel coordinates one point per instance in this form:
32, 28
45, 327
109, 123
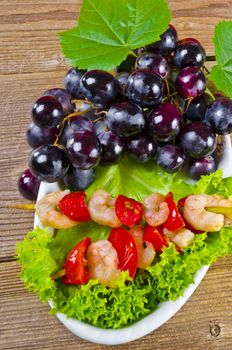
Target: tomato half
175, 221
76, 270
154, 236
128, 210
124, 244
74, 206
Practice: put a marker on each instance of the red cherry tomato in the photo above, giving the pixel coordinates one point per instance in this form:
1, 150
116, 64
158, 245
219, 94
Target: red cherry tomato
175, 221
128, 211
74, 206
153, 235
124, 244
181, 204
76, 270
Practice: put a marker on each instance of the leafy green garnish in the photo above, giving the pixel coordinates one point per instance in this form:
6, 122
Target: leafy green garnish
108, 30
137, 180
40, 255
221, 73
115, 308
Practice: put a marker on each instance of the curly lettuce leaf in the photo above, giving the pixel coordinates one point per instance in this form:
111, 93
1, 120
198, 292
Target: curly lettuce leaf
129, 302
214, 184
37, 262
40, 254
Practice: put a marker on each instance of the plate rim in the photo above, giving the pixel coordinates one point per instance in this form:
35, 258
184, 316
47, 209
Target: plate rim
156, 318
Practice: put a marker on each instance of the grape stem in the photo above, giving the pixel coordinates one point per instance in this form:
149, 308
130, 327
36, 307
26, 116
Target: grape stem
56, 142
133, 54
207, 71
81, 101
101, 112
210, 58
167, 86
98, 119
188, 104
169, 96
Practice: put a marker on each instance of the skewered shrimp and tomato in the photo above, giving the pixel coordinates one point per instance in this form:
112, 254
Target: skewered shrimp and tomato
133, 245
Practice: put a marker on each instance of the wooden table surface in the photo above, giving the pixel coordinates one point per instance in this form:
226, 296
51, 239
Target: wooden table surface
30, 63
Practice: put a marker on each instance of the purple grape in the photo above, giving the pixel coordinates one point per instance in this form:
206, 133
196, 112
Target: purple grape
125, 119
141, 147
100, 126
197, 140
75, 123
112, 148
37, 136
78, 179
171, 158
190, 82
189, 53
197, 108
145, 88
72, 82
127, 65
203, 166
47, 112
99, 87
84, 150
164, 122
219, 116
49, 163
155, 62
87, 110
28, 185
167, 43
64, 97
122, 79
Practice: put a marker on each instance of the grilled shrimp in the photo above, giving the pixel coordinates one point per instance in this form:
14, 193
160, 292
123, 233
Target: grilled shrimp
103, 262
156, 210
196, 214
182, 238
47, 213
146, 251
101, 209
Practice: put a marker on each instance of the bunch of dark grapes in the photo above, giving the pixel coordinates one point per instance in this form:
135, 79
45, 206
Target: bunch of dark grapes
154, 107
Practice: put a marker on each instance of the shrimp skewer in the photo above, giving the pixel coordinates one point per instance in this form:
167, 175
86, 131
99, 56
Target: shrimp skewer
156, 211
196, 214
146, 251
101, 209
47, 213
103, 263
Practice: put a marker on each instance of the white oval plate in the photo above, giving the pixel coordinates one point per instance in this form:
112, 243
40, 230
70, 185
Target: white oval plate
166, 309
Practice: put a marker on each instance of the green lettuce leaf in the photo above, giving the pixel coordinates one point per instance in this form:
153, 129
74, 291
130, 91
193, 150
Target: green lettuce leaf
37, 262
221, 73
138, 180
108, 30
115, 308
41, 254
214, 184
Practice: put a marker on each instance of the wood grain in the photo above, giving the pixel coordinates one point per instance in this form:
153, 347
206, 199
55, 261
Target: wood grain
203, 323
30, 63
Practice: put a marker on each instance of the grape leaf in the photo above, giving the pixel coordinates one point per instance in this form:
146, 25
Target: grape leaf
221, 73
108, 30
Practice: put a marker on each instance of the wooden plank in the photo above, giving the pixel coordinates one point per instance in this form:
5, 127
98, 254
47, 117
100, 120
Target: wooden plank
18, 93
30, 63
28, 31
205, 321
